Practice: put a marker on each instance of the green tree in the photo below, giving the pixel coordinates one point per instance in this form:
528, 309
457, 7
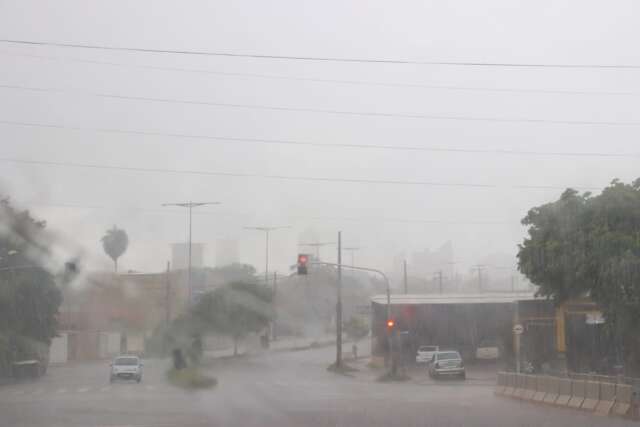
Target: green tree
585, 245
115, 243
236, 310
236, 272
29, 297
356, 328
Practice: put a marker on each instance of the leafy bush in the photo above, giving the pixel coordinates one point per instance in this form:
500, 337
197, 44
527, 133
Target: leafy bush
356, 328
190, 378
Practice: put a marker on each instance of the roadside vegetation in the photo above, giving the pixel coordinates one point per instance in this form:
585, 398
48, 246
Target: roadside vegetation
589, 246
190, 378
29, 296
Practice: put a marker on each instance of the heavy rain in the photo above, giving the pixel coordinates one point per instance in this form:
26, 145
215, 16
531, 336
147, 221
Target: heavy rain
327, 214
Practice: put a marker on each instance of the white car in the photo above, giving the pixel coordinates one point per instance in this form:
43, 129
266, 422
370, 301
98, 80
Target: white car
128, 367
488, 349
426, 352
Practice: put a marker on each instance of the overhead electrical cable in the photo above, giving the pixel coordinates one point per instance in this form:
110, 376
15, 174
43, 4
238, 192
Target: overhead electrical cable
335, 145
418, 116
230, 54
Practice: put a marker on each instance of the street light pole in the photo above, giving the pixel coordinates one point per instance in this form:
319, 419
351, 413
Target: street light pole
266, 254
373, 270
339, 306
190, 205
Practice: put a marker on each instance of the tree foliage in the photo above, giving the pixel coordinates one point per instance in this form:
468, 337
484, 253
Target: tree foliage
585, 245
236, 272
356, 328
115, 243
29, 297
236, 309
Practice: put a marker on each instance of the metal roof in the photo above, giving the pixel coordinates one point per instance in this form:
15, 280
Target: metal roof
487, 298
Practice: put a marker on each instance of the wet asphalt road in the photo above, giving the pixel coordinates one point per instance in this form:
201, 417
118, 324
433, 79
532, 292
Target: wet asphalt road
275, 389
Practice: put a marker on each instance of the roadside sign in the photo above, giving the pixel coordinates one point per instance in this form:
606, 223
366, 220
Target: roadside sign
518, 329
594, 318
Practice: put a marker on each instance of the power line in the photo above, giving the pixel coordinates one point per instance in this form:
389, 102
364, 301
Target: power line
334, 81
283, 177
293, 218
419, 116
318, 58
266, 141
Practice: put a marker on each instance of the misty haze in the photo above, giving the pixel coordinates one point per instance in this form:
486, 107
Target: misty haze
337, 214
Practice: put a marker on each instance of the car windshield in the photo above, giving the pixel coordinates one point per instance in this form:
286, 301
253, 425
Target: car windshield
448, 355
257, 213
126, 361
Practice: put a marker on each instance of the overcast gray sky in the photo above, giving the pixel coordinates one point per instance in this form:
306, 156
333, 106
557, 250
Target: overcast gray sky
384, 219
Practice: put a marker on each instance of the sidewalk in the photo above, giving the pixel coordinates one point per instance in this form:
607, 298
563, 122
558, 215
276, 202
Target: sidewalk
280, 344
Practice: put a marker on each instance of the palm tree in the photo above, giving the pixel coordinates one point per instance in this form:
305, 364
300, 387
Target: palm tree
115, 243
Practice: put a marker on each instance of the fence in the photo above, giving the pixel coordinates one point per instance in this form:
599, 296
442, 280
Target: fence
597, 394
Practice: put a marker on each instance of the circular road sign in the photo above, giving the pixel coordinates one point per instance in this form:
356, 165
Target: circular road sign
518, 329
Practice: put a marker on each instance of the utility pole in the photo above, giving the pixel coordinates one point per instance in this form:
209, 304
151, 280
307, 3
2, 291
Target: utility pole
454, 276
266, 255
516, 337
190, 205
388, 286
439, 274
406, 284
479, 268
275, 292
168, 295
339, 306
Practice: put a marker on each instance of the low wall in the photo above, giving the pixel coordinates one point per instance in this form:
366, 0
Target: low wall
602, 398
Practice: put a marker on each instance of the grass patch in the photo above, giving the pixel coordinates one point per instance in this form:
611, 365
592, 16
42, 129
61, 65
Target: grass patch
388, 377
375, 363
190, 378
343, 369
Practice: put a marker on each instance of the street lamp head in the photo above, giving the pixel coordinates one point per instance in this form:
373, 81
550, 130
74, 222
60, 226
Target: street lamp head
267, 228
190, 204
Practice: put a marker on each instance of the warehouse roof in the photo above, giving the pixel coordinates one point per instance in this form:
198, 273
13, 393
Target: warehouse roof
486, 298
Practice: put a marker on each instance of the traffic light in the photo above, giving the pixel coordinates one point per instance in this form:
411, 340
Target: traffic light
391, 324
303, 259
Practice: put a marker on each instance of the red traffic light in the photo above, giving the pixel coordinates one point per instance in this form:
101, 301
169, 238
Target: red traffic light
302, 263
391, 323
